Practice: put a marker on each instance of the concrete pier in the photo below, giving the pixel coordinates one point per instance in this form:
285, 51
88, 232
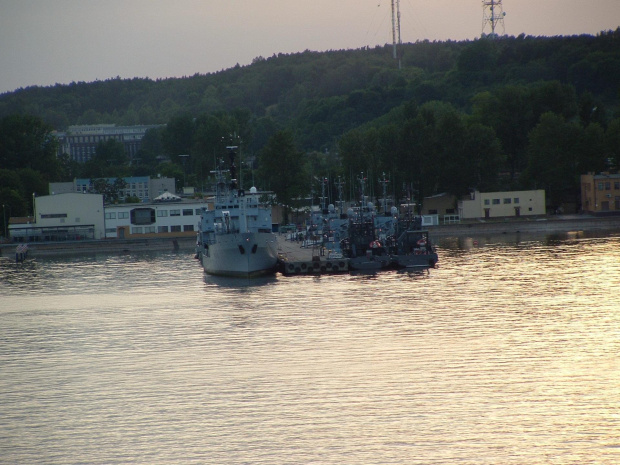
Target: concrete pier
306, 258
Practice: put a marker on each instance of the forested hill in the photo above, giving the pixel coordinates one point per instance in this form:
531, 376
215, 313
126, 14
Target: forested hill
507, 113
323, 95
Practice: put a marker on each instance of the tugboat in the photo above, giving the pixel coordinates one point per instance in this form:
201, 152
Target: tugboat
362, 246
364, 251
235, 238
413, 248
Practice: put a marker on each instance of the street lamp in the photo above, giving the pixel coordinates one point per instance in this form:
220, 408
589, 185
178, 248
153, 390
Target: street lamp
6, 231
184, 158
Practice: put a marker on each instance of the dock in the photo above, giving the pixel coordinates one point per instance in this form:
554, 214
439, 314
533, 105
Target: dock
307, 257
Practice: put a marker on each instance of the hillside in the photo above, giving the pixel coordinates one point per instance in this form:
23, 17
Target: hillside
325, 94
509, 113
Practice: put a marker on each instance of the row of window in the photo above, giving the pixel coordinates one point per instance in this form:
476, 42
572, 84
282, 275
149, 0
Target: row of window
153, 229
606, 186
507, 201
114, 215
160, 213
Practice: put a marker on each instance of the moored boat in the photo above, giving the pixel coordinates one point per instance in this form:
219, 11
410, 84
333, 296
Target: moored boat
414, 250
236, 238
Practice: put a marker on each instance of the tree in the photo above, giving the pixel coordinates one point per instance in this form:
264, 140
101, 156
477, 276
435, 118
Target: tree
281, 169
27, 142
553, 158
111, 191
109, 161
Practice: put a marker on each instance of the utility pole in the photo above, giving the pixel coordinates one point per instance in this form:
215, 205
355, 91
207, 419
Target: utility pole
395, 29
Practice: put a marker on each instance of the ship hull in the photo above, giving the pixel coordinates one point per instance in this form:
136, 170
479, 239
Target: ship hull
241, 255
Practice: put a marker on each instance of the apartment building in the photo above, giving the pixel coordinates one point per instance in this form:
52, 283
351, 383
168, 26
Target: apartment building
600, 193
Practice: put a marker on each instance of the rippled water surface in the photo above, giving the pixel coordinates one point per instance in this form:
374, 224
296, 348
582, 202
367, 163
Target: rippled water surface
508, 353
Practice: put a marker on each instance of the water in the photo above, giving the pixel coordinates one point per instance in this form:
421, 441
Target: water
507, 353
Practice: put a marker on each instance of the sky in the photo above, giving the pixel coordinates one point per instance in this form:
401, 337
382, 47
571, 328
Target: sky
44, 42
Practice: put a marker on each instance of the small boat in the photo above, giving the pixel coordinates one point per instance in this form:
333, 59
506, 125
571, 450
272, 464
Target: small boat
364, 251
414, 250
21, 252
236, 238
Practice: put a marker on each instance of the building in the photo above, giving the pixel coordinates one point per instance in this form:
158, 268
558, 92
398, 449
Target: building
144, 188
62, 217
600, 193
502, 204
159, 219
75, 216
80, 142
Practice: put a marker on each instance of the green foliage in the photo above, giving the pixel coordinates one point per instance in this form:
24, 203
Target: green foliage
109, 161
459, 115
281, 169
111, 191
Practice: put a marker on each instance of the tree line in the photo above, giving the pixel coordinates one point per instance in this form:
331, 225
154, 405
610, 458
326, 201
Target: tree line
518, 112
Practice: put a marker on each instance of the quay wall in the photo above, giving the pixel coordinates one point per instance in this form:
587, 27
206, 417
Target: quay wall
103, 246
549, 225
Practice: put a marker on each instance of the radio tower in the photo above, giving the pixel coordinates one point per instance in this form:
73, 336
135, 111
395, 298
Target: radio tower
395, 28
492, 15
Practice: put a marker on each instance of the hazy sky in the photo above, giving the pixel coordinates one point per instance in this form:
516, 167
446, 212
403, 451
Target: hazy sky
43, 42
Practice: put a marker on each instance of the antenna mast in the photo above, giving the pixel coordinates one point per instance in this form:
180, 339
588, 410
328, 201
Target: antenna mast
396, 28
492, 14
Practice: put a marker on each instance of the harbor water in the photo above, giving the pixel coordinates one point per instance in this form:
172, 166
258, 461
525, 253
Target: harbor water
506, 353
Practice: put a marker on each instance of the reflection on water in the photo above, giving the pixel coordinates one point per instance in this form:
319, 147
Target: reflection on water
505, 353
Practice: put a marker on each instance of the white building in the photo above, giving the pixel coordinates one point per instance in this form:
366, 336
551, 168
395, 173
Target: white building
73, 216
63, 217
158, 219
503, 204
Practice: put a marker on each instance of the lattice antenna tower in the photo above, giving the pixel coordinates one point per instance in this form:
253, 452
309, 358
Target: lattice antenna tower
396, 29
492, 17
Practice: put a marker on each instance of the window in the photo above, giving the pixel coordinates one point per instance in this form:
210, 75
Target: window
516, 200
188, 227
137, 230
487, 202
54, 215
175, 212
110, 216
495, 201
600, 186
143, 216
507, 201
110, 230
175, 228
188, 212
149, 229
162, 229
162, 213
616, 185
198, 211
123, 215
607, 186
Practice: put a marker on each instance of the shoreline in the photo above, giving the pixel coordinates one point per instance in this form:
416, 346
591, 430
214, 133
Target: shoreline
546, 225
